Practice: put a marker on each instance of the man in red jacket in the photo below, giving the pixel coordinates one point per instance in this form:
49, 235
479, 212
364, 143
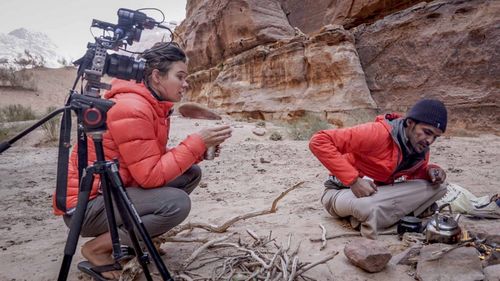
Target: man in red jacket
380, 171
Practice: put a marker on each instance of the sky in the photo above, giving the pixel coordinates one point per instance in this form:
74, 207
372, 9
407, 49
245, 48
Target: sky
67, 22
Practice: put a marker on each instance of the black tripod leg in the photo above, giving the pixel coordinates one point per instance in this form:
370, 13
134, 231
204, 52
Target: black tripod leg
76, 222
127, 204
142, 257
112, 227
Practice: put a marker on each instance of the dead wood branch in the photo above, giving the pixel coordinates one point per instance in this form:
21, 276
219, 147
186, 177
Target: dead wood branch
220, 229
348, 234
323, 237
323, 260
203, 247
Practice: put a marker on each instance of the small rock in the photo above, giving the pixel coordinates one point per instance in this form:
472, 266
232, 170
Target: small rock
263, 161
260, 124
275, 136
259, 131
203, 185
492, 273
370, 255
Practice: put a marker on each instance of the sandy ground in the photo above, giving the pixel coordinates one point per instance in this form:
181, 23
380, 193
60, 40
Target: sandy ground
250, 173
238, 182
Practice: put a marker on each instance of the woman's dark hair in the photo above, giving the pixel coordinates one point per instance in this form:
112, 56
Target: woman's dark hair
161, 56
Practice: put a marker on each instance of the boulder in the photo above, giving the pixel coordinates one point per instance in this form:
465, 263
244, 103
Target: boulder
462, 263
370, 255
492, 273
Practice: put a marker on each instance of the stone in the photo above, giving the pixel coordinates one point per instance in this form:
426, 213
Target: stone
462, 263
370, 255
492, 273
259, 131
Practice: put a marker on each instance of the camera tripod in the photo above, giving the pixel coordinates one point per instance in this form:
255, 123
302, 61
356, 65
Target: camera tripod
91, 115
112, 190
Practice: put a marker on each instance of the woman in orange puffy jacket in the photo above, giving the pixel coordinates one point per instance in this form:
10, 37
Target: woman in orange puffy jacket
158, 179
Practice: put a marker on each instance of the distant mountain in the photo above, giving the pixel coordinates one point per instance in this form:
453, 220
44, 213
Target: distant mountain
21, 45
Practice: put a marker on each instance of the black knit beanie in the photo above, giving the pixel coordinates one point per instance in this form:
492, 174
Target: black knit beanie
432, 112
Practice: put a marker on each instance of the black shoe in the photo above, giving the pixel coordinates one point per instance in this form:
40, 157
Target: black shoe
429, 211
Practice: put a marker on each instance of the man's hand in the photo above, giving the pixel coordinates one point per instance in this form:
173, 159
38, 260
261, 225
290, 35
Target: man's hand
363, 188
437, 175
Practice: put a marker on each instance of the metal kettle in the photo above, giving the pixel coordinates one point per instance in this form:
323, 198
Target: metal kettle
443, 228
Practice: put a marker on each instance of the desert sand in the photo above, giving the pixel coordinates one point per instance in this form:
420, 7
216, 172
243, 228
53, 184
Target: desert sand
250, 172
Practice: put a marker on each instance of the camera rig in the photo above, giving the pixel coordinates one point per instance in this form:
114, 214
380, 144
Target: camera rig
91, 112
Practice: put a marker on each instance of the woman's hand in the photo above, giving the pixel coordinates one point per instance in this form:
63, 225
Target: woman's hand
215, 135
363, 188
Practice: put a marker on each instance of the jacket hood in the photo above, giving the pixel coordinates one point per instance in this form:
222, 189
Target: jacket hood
387, 120
119, 86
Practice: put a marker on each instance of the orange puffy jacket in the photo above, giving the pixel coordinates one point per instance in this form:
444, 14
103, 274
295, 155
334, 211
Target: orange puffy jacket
365, 150
138, 126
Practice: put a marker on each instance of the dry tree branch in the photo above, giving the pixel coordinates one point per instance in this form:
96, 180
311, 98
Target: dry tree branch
323, 237
253, 235
185, 277
203, 247
323, 260
348, 234
220, 229
294, 268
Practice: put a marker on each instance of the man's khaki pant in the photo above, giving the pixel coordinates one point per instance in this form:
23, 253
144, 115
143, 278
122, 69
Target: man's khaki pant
384, 208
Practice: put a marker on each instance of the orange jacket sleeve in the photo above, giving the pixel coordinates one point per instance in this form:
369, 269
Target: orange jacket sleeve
132, 129
329, 146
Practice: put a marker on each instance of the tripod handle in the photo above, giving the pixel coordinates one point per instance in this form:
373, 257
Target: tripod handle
7, 144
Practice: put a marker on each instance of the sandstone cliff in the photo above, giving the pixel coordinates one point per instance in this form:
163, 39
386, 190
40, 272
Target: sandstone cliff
344, 60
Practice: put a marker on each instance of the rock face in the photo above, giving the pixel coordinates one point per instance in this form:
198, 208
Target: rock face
448, 50
283, 80
276, 59
310, 15
218, 29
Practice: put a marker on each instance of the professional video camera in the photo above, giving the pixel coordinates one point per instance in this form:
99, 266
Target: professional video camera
91, 113
97, 62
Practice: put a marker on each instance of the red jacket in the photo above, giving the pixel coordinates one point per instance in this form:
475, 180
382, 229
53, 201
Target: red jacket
138, 126
364, 150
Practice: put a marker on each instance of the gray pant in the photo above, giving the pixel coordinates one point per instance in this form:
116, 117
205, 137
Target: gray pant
384, 208
160, 208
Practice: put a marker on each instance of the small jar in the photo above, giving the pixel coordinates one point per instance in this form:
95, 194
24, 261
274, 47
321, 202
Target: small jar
209, 153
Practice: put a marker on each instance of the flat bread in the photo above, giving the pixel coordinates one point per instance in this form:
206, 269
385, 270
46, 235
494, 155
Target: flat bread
197, 111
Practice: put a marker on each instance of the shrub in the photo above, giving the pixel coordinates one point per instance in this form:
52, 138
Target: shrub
16, 112
18, 77
304, 127
51, 127
5, 133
